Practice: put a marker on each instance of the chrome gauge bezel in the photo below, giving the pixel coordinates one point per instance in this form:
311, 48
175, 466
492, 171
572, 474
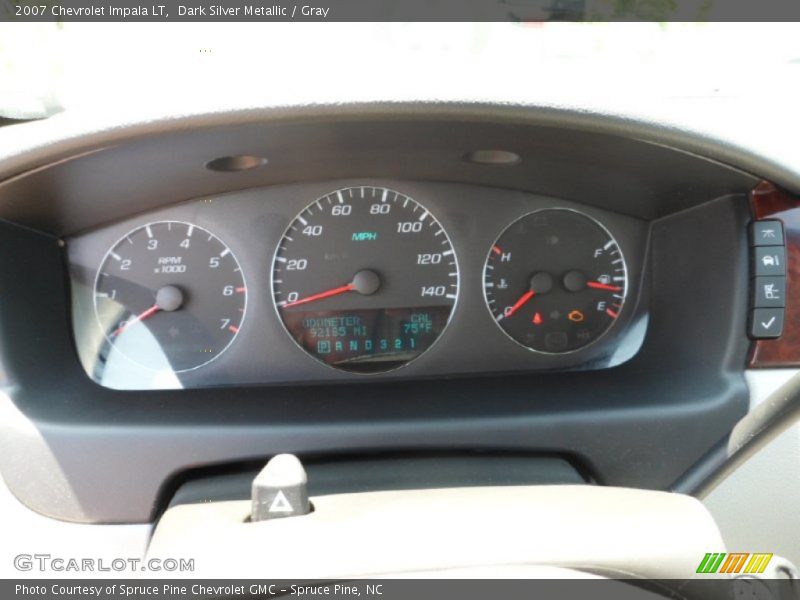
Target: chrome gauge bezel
288, 229
613, 326
99, 271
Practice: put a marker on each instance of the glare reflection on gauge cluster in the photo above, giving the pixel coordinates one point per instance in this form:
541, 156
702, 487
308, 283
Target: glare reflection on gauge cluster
169, 295
365, 279
555, 280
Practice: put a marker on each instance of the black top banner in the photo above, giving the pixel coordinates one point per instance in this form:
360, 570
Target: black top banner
521, 11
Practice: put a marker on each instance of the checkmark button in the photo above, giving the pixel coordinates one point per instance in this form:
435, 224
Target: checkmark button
766, 323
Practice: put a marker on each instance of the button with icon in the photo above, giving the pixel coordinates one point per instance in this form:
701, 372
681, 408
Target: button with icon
766, 323
766, 233
769, 292
770, 260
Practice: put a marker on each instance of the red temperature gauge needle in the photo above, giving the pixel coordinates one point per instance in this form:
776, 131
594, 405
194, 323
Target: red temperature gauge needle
518, 304
145, 315
603, 286
327, 294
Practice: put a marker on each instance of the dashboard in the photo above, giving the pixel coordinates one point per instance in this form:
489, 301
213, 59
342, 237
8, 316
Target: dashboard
559, 296
337, 281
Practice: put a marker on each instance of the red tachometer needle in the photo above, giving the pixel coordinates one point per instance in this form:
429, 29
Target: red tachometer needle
518, 304
334, 292
145, 315
603, 286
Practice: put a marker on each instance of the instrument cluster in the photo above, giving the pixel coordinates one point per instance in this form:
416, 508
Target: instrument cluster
304, 282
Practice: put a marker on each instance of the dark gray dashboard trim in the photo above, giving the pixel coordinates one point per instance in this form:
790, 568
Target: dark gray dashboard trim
75, 451
38, 144
137, 175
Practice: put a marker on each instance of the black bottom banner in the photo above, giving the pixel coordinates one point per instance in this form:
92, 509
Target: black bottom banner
404, 589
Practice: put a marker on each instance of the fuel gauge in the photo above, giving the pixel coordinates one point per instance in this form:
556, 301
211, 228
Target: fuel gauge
555, 281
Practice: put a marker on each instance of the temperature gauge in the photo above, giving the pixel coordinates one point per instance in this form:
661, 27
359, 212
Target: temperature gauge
555, 281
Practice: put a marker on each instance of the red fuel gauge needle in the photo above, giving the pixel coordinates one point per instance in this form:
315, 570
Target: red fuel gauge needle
327, 294
519, 303
145, 315
603, 286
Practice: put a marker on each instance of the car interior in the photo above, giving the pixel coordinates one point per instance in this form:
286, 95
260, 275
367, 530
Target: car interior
431, 338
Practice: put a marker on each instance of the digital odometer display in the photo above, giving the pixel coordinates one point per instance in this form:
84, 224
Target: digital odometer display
365, 279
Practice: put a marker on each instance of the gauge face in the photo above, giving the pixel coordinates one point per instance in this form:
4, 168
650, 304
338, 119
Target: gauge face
170, 296
555, 281
365, 279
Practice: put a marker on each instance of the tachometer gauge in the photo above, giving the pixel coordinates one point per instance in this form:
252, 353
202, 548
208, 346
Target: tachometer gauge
170, 296
365, 279
555, 280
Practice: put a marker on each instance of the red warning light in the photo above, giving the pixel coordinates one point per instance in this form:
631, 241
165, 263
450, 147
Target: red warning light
537, 319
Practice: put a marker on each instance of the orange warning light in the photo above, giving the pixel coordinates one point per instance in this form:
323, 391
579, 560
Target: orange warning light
537, 319
576, 316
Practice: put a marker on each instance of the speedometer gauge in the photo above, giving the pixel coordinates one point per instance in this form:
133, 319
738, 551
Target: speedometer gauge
555, 281
365, 279
170, 296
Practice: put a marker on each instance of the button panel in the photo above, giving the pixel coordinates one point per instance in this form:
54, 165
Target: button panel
768, 279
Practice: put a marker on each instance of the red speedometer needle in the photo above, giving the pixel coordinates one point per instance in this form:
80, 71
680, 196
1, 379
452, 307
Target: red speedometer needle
518, 304
603, 286
145, 315
327, 294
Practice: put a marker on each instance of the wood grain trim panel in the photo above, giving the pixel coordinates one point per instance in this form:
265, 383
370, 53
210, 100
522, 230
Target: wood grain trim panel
770, 202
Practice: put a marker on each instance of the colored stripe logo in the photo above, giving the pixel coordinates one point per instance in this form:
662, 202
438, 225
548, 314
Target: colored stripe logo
721, 562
